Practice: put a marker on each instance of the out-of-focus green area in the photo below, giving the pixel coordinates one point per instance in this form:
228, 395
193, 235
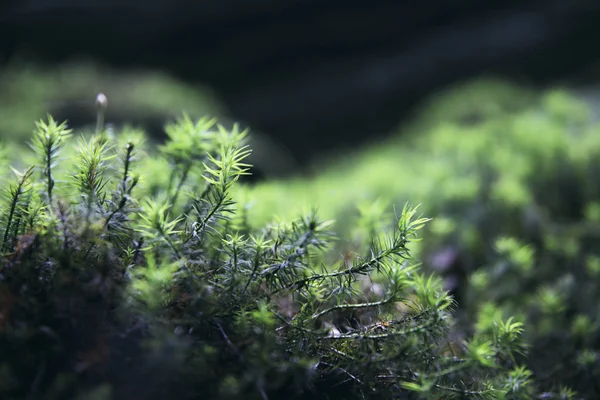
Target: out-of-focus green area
432, 153
29, 92
143, 99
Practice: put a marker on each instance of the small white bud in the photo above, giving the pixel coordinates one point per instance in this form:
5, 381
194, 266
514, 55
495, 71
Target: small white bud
101, 101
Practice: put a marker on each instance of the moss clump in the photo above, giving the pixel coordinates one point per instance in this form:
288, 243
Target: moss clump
132, 272
514, 195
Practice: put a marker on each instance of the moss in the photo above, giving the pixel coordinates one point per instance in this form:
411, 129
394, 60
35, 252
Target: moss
514, 195
129, 271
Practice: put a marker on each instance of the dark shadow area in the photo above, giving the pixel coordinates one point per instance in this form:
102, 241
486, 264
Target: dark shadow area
317, 75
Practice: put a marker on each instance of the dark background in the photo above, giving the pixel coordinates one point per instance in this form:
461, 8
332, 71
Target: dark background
318, 75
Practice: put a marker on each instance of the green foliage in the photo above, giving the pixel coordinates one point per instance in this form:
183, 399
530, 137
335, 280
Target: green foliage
129, 272
133, 272
512, 184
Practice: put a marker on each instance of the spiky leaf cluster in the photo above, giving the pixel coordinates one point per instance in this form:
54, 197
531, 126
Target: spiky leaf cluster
117, 283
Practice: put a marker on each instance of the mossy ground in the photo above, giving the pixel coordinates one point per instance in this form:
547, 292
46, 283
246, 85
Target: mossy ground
171, 239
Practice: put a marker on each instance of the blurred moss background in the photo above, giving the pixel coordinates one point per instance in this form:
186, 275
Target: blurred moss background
29, 92
140, 98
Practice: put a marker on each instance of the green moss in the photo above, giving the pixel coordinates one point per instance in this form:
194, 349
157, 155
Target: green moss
508, 175
525, 171
114, 278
